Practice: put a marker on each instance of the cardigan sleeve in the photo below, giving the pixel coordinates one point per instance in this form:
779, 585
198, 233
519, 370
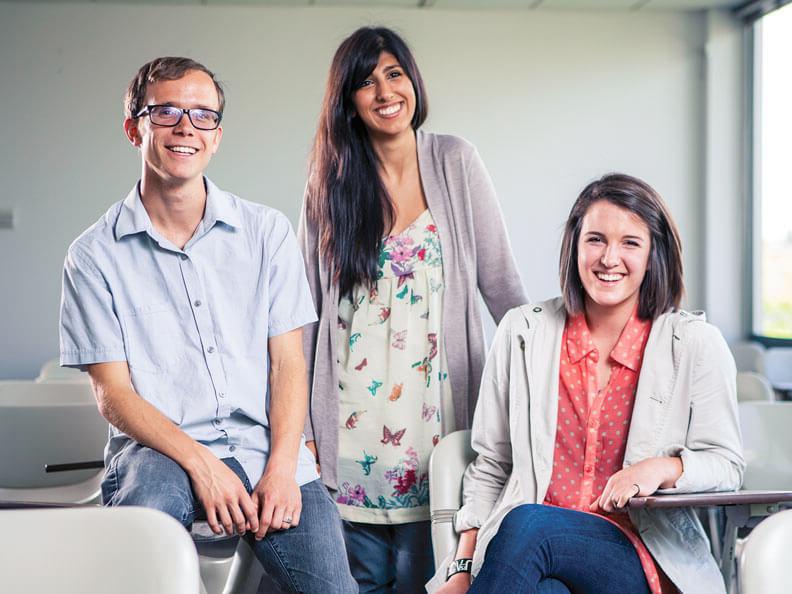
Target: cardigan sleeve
486, 476
711, 456
496, 270
308, 241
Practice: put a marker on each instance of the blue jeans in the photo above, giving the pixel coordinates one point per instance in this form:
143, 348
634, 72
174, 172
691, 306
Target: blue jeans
541, 548
307, 558
387, 558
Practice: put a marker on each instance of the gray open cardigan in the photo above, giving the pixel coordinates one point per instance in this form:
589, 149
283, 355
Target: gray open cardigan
476, 255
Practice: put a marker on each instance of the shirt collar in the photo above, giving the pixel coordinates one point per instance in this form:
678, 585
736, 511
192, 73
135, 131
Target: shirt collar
578, 338
627, 351
133, 217
629, 348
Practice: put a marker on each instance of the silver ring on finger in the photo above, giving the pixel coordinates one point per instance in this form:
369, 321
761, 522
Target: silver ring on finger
287, 520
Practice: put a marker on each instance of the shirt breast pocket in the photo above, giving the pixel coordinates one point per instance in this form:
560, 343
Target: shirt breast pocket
154, 337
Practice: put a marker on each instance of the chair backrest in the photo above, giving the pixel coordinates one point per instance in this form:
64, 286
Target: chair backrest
748, 356
767, 445
778, 367
51, 371
447, 465
764, 560
48, 423
753, 386
93, 550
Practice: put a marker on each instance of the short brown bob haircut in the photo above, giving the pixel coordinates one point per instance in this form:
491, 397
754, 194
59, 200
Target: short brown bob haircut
663, 286
167, 68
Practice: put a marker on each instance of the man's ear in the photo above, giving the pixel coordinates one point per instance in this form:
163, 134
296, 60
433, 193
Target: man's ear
132, 132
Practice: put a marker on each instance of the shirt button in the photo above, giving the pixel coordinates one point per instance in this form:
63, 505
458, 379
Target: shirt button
221, 394
211, 349
197, 303
184, 256
232, 448
218, 422
587, 469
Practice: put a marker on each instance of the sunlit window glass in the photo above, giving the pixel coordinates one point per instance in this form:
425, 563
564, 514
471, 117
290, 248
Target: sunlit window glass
773, 175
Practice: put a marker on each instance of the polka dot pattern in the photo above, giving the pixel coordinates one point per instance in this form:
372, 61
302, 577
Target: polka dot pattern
591, 439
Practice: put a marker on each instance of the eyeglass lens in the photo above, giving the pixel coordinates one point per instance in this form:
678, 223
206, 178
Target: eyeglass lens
167, 115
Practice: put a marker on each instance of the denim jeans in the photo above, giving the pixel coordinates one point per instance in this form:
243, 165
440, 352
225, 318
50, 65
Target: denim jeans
308, 558
390, 558
551, 550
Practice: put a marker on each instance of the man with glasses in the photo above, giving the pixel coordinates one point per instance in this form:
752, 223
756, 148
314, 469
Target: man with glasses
186, 304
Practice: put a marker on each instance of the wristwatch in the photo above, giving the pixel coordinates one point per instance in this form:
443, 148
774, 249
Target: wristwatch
459, 566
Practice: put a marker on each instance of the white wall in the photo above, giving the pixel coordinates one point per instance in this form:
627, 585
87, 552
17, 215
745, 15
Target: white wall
552, 100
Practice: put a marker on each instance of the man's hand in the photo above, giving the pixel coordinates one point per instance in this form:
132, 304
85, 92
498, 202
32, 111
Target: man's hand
228, 505
311, 445
643, 478
278, 501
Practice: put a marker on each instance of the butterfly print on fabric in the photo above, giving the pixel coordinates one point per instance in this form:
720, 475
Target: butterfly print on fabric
375, 385
432, 338
383, 315
403, 293
404, 278
353, 341
352, 420
390, 437
362, 364
434, 285
415, 298
435, 439
399, 340
424, 366
366, 462
396, 392
427, 412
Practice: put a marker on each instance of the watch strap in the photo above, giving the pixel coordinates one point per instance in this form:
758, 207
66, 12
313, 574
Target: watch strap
459, 566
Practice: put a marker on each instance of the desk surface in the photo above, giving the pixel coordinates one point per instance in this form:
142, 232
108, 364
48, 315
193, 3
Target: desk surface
710, 499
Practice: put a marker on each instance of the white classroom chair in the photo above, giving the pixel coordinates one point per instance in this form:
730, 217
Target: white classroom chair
95, 550
778, 368
44, 426
749, 356
753, 386
764, 560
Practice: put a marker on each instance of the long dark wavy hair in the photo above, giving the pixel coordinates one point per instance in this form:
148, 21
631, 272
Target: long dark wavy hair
346, 198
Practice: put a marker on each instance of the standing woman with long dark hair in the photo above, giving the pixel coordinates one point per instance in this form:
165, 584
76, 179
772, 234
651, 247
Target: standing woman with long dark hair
400, 230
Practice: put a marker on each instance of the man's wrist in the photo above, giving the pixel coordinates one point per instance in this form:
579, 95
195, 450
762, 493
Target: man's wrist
458, 566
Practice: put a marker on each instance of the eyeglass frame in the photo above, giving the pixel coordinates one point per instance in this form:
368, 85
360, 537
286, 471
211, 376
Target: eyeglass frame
146, 110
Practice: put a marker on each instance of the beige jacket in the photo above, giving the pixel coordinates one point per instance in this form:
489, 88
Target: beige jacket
685, 405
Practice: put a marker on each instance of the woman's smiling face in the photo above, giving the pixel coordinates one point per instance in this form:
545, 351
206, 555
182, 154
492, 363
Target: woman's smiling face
613, 254
385, 100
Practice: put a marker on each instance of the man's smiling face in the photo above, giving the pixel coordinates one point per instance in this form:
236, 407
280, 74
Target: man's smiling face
177, 154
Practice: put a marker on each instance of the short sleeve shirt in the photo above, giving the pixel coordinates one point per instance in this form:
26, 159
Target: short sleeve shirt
192, 324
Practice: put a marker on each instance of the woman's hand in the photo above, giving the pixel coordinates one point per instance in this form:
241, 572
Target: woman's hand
643, 478
459, 583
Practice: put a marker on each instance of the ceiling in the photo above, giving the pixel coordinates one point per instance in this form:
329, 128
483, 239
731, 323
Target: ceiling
450, 4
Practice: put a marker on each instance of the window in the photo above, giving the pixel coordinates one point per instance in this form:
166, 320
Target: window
772, 175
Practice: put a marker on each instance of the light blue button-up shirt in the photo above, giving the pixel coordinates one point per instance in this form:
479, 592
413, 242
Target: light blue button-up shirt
192, 323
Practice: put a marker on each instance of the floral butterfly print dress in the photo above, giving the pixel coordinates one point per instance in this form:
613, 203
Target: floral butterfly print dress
394, 393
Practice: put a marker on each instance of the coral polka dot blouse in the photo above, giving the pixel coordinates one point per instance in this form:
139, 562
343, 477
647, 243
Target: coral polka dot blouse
591, 441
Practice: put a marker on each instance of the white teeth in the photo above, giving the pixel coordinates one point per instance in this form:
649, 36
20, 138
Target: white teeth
187, 150
386, 111
609, 277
